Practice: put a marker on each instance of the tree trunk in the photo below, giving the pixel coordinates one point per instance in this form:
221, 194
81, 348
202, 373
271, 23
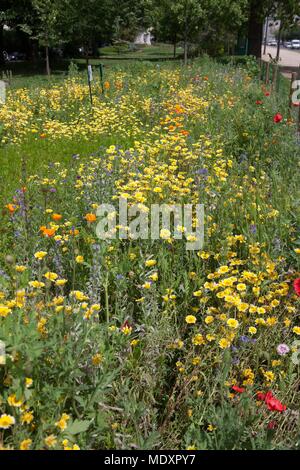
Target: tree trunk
47, 62
174, 48
186, 36
255, 29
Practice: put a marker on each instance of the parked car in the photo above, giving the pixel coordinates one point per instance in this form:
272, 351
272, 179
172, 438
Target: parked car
296, 44
288, 45
272, 43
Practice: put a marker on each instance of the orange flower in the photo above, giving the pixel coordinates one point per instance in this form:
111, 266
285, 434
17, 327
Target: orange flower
90, 218
56, 217
106, 85
183, 132
178, 109
171, 128
47, 232
74, 232
11, 208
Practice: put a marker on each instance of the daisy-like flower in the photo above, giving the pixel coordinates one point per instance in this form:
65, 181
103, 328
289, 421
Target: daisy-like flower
283, 349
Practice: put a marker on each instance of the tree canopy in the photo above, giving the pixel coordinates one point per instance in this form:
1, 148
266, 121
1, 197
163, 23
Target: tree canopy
206, 23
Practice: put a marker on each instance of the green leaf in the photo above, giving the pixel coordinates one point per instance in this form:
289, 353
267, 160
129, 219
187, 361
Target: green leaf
78, 426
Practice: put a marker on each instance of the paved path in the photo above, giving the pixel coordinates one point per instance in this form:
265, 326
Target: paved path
288, 57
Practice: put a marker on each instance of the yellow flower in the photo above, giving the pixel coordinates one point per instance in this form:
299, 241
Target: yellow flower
241, 287
297, 251
209, 319
261, 310
51, 276
233, 323
4, 311
196, 361
79, 259
211, 428
224, 343
25, 445
223, 269
6, 421
50, 441
27, 417
36, 284
79, 295
190, 319
165, 234
126, 330
40, 254
203, 255
296, 330
210, 338
198, 340
242, 307
13, 401
97, 359
198, 293
269, 375
252, 330
61, 282
62, 422
20, 268
146, 285
151, 262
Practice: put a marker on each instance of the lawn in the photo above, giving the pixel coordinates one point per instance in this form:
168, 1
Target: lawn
142, 344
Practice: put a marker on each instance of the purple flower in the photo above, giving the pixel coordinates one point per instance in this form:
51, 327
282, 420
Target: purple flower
202, 171
253, 229
283, 349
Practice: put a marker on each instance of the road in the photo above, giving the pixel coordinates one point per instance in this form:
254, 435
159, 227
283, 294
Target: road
288, 57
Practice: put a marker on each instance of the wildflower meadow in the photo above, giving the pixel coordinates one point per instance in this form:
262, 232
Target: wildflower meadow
138, 343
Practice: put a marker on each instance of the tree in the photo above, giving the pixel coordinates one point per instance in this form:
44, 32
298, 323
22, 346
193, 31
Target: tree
222, 20
88, 22
183, 16
131, 16
44, 25
284, 10
207, 22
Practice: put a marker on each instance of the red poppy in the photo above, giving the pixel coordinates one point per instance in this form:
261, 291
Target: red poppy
258, 102
296, 104
267, 93
238, 389
297, 286
277, 118
272, 402
272, 425
260, 396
